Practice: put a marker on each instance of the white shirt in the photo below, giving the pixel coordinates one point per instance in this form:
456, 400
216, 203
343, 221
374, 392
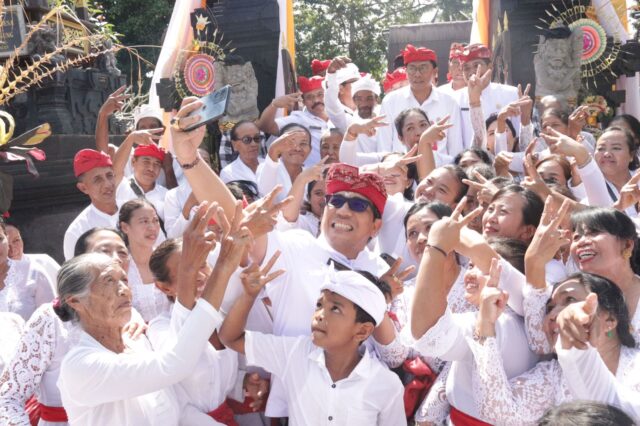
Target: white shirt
211, 380
448, 340
371, 395
88, 218
174, 221
437, 106
26, 288
271, 173
316, 126
156, 196
11, 326
238, 170
494, 97
100, 387
146, 297
449, 90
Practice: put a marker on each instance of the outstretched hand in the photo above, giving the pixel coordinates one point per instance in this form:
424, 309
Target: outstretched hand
445, 233
255, 278
575, 323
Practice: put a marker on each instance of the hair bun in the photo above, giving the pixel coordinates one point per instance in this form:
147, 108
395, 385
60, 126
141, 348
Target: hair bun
63, 311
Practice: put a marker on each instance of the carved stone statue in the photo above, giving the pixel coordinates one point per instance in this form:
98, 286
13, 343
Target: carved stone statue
107, 61
43, 41
557, 64
243, 104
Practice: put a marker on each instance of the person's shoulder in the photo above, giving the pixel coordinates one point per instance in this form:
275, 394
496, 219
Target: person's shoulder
396, 95
505, 88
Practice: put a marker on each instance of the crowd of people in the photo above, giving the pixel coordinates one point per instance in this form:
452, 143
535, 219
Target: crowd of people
455, 254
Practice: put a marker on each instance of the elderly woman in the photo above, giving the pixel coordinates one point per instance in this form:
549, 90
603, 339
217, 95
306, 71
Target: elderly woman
44, 342
107, 380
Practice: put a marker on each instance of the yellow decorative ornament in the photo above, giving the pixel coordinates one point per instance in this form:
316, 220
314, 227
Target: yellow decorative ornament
6, 135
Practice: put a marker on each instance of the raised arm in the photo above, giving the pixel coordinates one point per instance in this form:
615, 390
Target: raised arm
477, 83
114, 103
292, 211
267, 121
205, 183
138, 137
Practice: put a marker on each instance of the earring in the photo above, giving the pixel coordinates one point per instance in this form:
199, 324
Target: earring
626, 253
610, 333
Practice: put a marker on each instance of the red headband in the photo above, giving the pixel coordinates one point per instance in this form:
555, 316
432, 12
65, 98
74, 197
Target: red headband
456, 50
391, 79
150, 150
475, 51
89, 159
420, 54
309, 84
343, 177
318, 66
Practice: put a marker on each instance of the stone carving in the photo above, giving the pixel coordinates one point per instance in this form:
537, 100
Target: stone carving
107, 61
240, 75
557, 64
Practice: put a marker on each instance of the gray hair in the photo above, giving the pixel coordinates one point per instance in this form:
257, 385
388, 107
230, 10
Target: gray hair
74, 280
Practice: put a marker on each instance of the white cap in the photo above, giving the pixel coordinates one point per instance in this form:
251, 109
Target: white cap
350, 72
366, 83
362, 292
144, 111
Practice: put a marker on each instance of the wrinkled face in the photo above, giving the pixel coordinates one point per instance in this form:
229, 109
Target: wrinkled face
471, 67
418, 227
570, 291
474, 282
330, 146
420, 74
247, 152
503, 218
395, 180
314, 101
468, 159
146, 170
491, 138
347, 230
99, 184
109, 243
317, 198
298, 153
109, 299
148, 123
599, 252
552, 122
143, 227
334, 322
16, 246
440, 185
612, 153
412, 128
365, 101
552, 171
455, 70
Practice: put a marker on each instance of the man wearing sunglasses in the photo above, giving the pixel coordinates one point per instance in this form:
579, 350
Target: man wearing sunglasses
246, 140
355, 204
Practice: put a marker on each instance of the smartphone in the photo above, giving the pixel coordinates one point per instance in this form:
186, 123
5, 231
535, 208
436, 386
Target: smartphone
214, 106
388, 258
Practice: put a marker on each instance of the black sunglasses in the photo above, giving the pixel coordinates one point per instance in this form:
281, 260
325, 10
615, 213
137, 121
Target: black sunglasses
248, 139
357, 205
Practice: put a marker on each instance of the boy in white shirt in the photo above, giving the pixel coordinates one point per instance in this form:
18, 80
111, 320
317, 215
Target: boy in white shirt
329, 377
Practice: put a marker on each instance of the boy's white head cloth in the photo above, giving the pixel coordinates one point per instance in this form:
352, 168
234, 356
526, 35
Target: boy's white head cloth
359, 290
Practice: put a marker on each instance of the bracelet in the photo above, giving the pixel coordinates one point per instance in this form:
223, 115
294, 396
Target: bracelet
191, 165
444, 253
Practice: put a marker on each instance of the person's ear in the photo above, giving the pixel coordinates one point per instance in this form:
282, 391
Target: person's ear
125, 227
75, 303
363, 331
528, 233
377, 224
166, 288
82, 187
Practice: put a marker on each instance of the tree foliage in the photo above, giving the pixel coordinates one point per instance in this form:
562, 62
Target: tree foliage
358, 28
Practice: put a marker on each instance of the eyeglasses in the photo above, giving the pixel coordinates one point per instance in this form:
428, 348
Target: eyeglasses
414, 69
357, 205
248, 139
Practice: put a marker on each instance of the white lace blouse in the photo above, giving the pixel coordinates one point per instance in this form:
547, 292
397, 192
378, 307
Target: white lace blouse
523, 399
146, 297
35, 366
10, 330
26, 288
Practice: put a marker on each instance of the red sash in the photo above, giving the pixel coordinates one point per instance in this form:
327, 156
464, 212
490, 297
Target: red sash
458, 418
417, 388
223, 414
38, 411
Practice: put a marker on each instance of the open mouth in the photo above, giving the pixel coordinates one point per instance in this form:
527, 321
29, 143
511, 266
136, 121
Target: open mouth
342, 227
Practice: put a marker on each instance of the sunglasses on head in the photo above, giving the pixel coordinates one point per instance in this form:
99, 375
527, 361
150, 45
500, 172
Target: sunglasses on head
357, 205
248, 139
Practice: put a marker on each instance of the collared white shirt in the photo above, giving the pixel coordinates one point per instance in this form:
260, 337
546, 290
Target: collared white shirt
100, 387
294, 294
316, 126
88, 218
494, 97
449, 90
370, 395
26, 288
156, 196
437, 106
238, 170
